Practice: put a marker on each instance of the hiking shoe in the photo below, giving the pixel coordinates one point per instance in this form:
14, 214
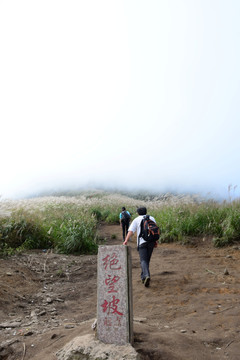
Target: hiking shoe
147, 281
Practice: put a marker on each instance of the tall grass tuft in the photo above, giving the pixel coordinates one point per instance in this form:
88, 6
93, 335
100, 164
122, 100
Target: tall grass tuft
22, 229
69, 224
220, 221
64, 227
76, 236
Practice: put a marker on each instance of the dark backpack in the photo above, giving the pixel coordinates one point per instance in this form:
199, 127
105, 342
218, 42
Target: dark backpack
125, 216
149, 229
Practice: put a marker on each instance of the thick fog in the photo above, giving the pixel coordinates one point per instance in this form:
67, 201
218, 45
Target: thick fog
122, 94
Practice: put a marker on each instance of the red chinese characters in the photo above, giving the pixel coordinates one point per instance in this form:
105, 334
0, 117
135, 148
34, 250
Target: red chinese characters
111, 282
111, 262
111, 306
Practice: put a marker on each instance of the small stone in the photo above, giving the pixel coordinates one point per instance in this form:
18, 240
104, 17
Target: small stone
94, 325
9, 342
226, 272
140, 319
28, 333
42, 313
10, 325
69, 326
183, 331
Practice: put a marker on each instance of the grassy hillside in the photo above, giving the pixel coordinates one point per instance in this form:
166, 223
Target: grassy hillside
69, 223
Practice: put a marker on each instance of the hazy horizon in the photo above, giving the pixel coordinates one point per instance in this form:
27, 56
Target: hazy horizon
131, 192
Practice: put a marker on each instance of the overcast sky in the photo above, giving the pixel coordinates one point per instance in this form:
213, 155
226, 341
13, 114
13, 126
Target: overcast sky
126, 94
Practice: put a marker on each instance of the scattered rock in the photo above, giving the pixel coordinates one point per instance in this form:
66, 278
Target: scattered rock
42, 313
29, 333
140, 319
94, 325
69, 326
87, 347
33, 313
8, 343
226, 272
10, 324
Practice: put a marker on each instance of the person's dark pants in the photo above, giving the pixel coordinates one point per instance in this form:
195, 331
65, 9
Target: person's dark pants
125, 226
145, 253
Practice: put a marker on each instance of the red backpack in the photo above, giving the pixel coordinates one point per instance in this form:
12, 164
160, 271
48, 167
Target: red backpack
149, 229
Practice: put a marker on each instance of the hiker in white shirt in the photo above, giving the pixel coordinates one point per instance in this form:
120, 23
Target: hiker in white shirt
145, 248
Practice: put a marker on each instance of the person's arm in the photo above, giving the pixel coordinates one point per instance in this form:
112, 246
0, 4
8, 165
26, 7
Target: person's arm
129, 234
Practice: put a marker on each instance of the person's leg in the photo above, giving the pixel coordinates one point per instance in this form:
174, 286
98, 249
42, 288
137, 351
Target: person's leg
145, 254
123, 230
126, 228
150, 247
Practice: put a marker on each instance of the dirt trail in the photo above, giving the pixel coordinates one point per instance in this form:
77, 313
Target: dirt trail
190, 311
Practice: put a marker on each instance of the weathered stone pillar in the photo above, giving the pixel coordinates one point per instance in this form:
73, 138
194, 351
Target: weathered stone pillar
114, 303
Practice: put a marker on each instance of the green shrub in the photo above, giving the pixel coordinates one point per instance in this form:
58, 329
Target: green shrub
97, 213
221, 221
221, 242
77, 237
112, 218
100, 214
22, 230
65, 228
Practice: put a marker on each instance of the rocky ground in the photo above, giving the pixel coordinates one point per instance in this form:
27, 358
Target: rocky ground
190, 311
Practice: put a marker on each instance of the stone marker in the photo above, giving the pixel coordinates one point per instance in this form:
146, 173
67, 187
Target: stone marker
114, 303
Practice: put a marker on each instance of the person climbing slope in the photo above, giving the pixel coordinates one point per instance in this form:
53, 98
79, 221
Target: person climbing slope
124, 218
147, 236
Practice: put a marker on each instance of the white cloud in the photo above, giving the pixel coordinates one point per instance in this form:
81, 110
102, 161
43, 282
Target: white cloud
126, 92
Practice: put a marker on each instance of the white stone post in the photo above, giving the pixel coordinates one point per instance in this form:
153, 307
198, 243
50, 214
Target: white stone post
114, 300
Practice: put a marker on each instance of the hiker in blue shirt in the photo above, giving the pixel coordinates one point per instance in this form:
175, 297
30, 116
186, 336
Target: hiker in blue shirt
124, 218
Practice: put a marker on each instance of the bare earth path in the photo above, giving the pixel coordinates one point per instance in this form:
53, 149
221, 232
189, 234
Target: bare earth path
190, 311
